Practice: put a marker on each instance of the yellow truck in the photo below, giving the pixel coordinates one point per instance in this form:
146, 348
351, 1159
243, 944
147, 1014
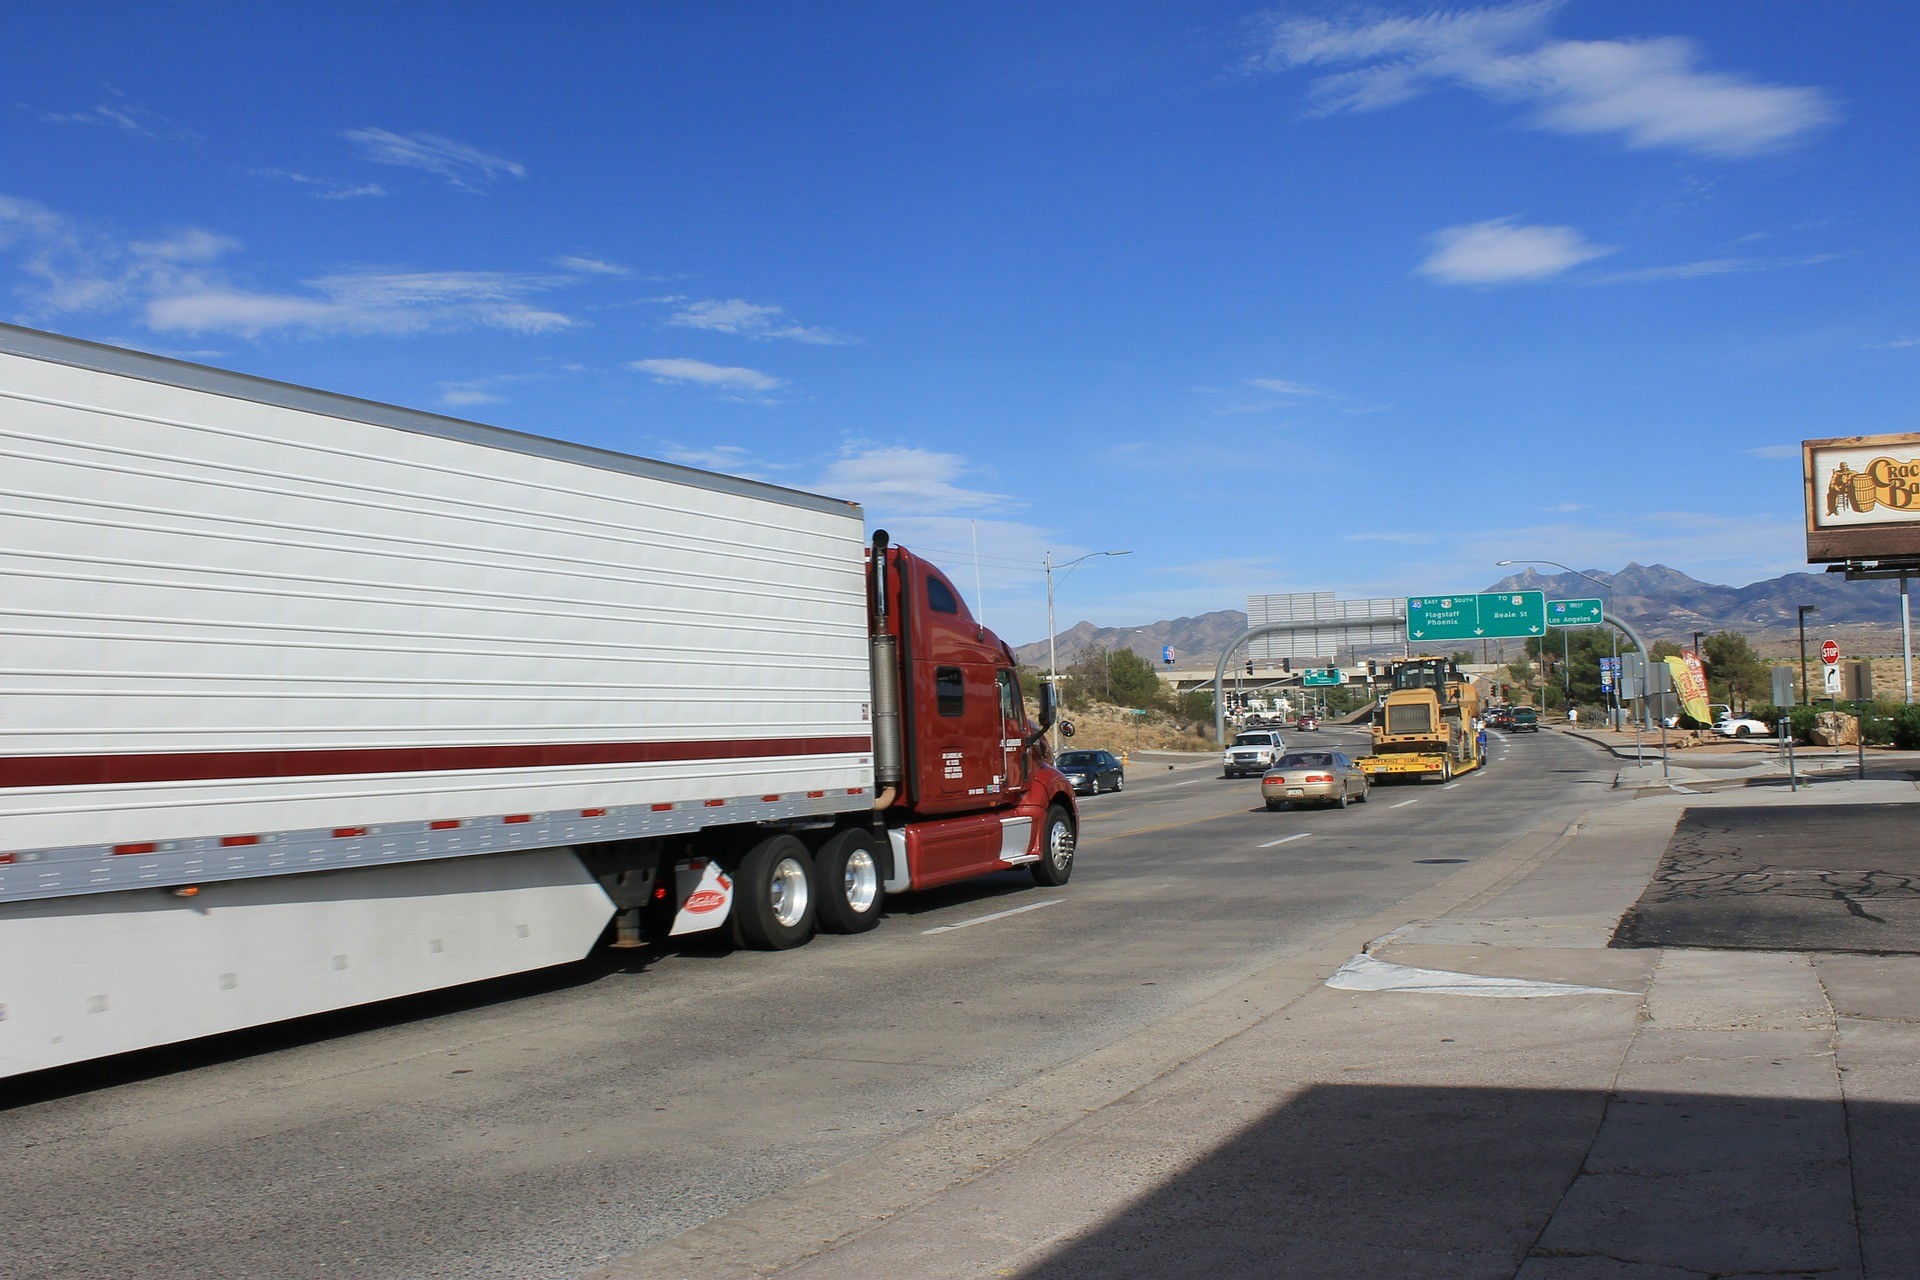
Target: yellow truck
1427, 725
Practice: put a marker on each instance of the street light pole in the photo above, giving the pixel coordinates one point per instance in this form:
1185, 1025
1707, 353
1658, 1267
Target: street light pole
1806, 694
1053, 657
1566, 643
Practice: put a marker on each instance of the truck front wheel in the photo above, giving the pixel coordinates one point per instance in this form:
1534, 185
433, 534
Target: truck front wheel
847, 880
774, 901
1056, 849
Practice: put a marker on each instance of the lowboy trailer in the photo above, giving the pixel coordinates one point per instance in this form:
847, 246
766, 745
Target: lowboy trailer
307, 702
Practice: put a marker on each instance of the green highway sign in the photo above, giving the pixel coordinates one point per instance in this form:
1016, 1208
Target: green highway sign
1494, 616
1575, 613
1323, 679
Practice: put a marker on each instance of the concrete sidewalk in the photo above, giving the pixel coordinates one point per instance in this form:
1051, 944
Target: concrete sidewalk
1386, 1106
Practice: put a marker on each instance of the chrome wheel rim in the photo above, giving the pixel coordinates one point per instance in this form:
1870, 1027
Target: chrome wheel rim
1060, 846
789, 893
862, 881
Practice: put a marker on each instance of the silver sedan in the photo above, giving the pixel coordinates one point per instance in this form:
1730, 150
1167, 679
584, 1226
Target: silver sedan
1313, 777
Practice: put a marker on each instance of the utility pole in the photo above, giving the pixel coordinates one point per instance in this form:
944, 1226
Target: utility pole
1806, 692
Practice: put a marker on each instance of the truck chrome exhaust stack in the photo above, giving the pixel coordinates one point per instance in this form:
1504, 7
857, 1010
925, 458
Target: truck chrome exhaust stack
884, 655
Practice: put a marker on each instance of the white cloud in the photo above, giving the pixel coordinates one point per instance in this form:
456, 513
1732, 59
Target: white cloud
921, 481
1649, 92
1285, 388
191, 245
121, 113
367, 302
590, 266
1895, 344
463, 396
700, 373
1499, 252
460, 165
747, 319
1710, 267
324, 188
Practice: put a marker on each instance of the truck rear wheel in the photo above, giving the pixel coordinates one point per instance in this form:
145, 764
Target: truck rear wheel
849, 891
1056, 849
773, 901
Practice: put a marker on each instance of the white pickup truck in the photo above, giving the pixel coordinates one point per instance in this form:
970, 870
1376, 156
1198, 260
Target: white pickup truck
1253, 751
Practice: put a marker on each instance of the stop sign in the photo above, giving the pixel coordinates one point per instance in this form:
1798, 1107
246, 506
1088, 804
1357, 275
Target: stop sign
1830, 651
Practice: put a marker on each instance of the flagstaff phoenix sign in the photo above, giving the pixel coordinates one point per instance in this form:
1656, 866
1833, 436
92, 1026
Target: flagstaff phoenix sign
1863, 497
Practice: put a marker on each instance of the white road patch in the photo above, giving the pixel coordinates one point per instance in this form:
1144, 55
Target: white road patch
1283, 839
1403, 804
1189, 782
998, 915
1449, 786
1365, 973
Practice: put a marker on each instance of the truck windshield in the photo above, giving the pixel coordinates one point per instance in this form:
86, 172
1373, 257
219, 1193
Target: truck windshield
1253, 740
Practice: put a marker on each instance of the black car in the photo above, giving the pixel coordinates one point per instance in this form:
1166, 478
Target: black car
1093, 771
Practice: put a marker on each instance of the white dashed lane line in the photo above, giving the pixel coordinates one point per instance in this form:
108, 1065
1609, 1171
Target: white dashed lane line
998, 915
1283, 839
1403, 804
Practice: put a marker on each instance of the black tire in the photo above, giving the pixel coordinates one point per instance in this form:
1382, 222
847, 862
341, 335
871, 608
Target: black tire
773, 900
1057, 842
1366, 790
847, 886
1275, 806
1740, 732
1341, 803
1120, 782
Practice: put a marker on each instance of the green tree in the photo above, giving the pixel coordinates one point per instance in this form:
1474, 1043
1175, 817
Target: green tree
1132, 680
1736, 675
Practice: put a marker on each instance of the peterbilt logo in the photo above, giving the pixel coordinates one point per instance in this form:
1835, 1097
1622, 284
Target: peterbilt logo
1886, 482
704, 900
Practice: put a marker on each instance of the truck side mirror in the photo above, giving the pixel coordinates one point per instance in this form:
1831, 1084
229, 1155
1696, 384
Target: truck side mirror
1049, 704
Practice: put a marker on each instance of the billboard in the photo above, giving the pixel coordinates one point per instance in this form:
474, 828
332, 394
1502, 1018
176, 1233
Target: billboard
1862, 496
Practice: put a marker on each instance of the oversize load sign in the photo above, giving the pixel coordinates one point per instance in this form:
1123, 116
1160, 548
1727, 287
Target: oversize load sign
1862, 496
1494, 616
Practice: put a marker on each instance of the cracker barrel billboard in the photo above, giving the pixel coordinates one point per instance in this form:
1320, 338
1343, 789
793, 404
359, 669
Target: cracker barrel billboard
1863, 497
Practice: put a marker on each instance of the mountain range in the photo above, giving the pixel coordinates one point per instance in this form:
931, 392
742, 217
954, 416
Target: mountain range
1662, 603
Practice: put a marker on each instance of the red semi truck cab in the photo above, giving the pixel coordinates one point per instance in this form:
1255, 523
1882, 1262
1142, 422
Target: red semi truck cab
966, 785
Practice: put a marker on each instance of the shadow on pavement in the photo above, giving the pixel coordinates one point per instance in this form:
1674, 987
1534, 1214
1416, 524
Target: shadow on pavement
1448, 1183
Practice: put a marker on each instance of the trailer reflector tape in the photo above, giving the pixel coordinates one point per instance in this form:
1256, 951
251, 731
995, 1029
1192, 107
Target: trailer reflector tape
593, 813
816, 795
6, 857
662, 808
715, 804
518, 817
136, 848
348, 833
230, 842
443, 824
769, 799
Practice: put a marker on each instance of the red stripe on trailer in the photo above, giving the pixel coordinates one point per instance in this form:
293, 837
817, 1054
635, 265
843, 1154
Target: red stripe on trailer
443, 824
206, 766
715, 804
5, 858
660, 808
518, 817
233, 842
593, 813
148, 847
769, 799
348, 833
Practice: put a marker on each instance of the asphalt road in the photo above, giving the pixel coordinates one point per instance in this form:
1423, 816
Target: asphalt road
542, 1126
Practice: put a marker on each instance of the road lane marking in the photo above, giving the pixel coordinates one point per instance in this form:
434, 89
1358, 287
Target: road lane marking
998, 915
1449, 786
1403, 804
1283, 839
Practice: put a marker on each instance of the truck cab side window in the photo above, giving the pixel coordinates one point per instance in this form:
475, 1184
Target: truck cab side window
940, 599
949, 690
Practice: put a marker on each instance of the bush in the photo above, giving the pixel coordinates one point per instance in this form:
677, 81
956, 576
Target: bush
1904, 727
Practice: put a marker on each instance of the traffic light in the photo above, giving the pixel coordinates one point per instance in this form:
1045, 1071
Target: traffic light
1249, 666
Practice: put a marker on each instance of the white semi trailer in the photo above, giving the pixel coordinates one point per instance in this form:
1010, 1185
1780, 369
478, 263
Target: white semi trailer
307, 702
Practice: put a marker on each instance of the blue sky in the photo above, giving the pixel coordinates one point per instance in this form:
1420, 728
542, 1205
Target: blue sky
1277, 299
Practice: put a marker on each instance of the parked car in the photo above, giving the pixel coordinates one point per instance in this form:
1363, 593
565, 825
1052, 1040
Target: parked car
1732, 726
1253, 751
1525, 720
1093, 771
1313, 777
